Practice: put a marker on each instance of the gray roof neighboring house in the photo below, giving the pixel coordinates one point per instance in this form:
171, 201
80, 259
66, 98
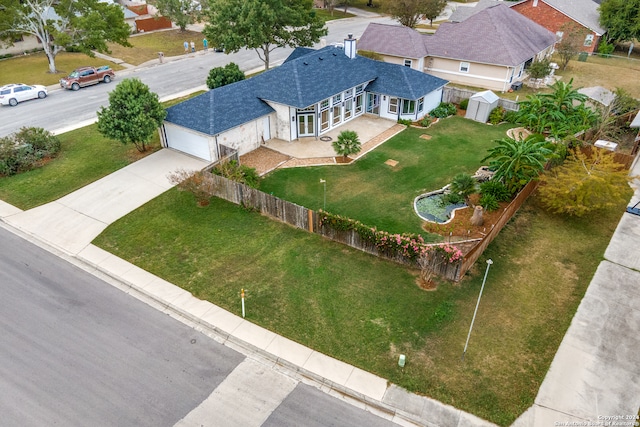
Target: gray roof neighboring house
496, 35
313, 75
463, 12
393, 40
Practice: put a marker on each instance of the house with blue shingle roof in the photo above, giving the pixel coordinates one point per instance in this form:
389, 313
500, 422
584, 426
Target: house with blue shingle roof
311, 93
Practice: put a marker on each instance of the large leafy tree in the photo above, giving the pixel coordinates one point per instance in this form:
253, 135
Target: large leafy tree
408, 12
585, 183
87, 25
133, 115
515, 163
621, 18
181, 12
263, 25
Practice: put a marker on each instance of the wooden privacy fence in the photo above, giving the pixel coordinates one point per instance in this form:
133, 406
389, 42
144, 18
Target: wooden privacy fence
307, 219
455, 95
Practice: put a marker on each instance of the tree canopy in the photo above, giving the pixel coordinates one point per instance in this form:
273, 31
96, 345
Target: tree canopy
408, 12
221, 76
585, 183
262, 25
133, 115
621, 18
85, 25
180, 12
570, 45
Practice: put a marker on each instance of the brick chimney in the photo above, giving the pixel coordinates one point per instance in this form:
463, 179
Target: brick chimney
350, 46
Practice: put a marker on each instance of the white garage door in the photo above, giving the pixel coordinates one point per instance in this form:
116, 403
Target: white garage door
187, 142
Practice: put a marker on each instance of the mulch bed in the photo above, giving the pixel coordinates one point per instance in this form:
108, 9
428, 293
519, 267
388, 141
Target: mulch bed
461, 226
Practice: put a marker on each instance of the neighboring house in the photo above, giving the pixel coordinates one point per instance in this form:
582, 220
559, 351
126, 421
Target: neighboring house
490, 49
311, 93
396, 44
553, 14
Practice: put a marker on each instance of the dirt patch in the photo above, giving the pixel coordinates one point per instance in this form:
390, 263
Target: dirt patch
342, 159
460, 225
263, 159
391, 162
518, 134
425, 136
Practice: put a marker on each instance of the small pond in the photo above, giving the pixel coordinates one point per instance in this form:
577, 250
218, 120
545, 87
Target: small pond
430, 207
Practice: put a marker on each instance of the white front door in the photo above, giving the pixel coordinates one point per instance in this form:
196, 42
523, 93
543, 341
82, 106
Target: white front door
306, 125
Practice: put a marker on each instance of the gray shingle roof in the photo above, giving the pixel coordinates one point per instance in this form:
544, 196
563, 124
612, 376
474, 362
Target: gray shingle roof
403, 82
496, 35
464, 11
300, 82
220, 109
584, 12
393, 40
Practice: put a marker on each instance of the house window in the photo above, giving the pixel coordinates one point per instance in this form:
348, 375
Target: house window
337, 99
559, 35
407, 63
337, 115
324, 104
359, 89
324, 120
464, 67
420, 105
348, 109
359, 103
348, 94
408, 107
393, 105
588, 41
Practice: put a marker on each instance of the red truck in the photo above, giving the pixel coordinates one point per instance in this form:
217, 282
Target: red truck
86, 76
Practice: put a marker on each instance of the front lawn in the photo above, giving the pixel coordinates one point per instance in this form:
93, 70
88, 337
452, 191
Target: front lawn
146, 46
367, 311
85, 156
34, 68
381, 195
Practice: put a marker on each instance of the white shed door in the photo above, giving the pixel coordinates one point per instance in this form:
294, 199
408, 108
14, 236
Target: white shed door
187, 142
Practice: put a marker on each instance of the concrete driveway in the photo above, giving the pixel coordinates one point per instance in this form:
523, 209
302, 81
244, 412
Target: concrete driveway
73, 221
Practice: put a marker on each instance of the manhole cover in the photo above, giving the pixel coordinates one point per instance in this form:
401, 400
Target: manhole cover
325, 138
391, 162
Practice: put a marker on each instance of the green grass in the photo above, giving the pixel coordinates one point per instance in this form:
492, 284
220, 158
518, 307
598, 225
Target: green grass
85, 156
380, 195
338, 13
34, 68
146, 46
367, 311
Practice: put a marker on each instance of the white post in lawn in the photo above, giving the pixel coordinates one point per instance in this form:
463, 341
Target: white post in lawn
324, 203
489, 262
242, 296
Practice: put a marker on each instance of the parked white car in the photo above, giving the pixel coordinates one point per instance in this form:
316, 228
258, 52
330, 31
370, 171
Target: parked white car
13, 93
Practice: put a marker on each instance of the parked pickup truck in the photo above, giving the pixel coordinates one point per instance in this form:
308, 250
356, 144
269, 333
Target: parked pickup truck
86, 76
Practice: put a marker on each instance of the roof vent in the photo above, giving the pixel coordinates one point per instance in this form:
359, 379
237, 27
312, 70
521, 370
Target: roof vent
305, 63
320, 58
335, 54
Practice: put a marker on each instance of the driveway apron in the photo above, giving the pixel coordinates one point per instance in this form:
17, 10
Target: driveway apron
73, 221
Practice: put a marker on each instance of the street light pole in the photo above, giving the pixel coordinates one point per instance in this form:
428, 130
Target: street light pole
324, 203
489, 262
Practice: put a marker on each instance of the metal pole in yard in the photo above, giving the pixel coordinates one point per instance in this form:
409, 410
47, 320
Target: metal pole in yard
489, 262
324, 203
242, 296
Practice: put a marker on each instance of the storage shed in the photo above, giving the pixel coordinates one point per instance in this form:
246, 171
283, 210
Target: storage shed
480, 106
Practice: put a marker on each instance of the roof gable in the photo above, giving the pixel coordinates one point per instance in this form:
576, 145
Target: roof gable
403, 82
584, 12
393, 40
496, 35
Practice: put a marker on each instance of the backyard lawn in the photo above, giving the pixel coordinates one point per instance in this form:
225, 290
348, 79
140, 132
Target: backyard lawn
380, 195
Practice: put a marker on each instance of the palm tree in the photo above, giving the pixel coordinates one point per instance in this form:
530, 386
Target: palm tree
564, 95
517, 162
464, 185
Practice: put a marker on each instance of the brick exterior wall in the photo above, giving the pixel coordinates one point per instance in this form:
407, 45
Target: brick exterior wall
551, 19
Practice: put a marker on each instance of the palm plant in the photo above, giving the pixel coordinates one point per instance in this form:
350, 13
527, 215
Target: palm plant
517, 162
564, 95
464, 185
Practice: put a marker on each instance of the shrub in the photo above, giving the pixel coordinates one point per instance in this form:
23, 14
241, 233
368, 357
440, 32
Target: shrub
405, 122
497, 115
489, 202
464, 185
426, 121
451, 199
496, 189
445, 109
221, 76
539, 69
347, 143
464, 104
23, 150
605, 48
510, 116
237, 172
197, 182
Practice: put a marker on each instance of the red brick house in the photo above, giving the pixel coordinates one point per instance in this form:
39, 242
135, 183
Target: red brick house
553, 14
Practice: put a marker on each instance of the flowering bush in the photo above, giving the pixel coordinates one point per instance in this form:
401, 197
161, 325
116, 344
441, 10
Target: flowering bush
450, 253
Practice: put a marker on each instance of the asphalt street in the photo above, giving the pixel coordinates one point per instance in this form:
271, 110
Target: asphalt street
76, 351
64, 108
